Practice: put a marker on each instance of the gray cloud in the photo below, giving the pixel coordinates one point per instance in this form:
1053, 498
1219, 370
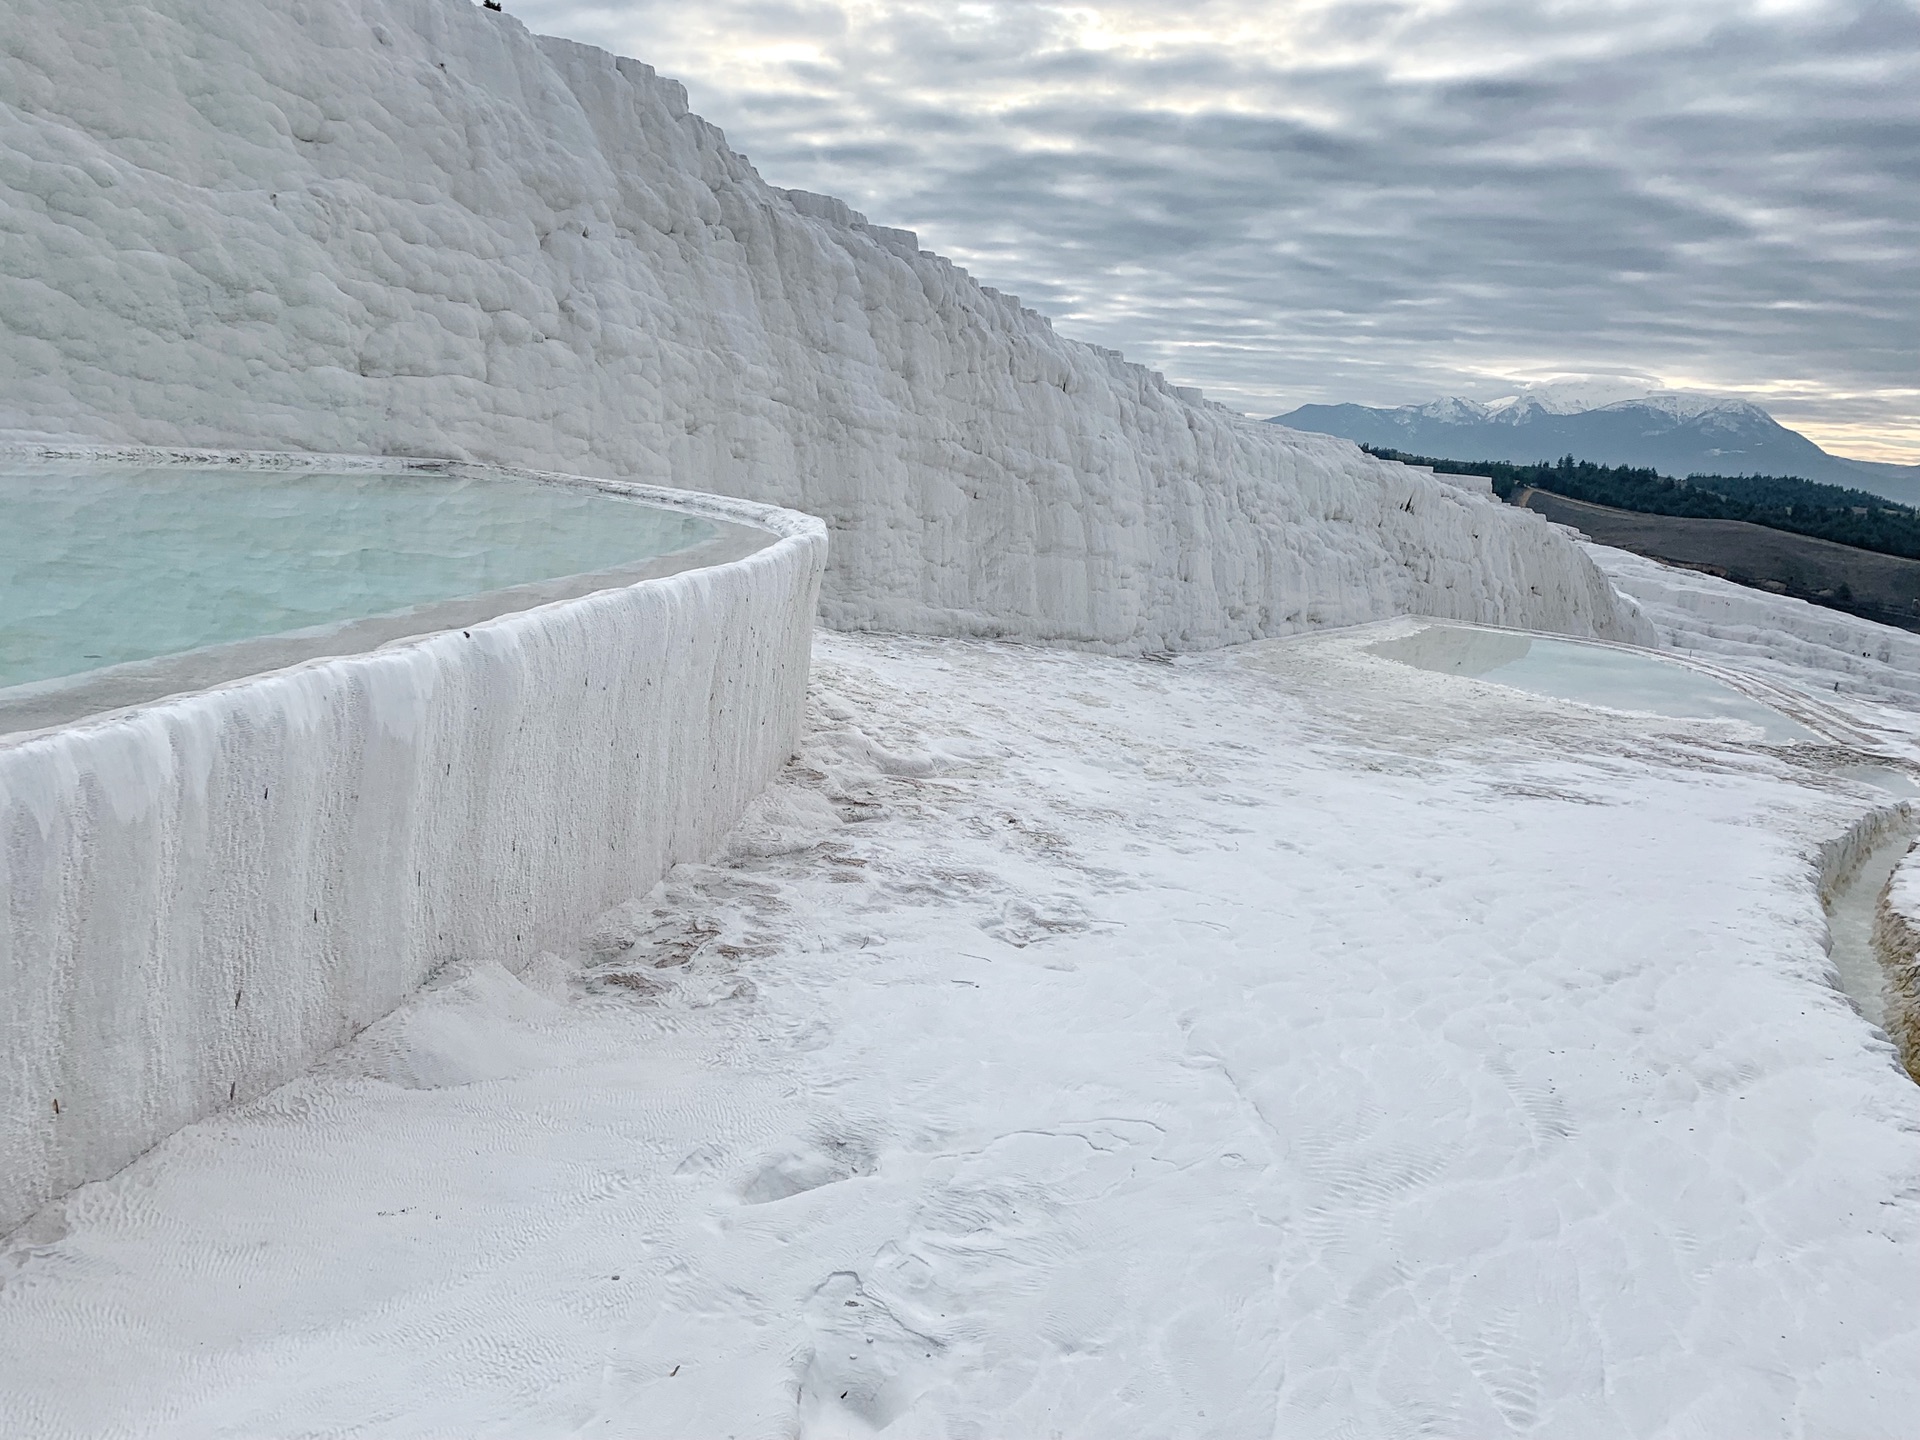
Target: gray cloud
1379, 202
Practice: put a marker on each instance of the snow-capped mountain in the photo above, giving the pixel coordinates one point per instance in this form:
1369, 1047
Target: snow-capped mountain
1675, 432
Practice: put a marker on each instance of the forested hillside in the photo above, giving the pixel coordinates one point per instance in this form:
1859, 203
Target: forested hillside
1781, 502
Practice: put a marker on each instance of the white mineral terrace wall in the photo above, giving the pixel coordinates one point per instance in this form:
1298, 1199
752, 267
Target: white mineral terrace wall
200, 896
1767, 633
410, 227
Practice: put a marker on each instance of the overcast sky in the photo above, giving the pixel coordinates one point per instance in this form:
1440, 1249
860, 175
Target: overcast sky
1371, 200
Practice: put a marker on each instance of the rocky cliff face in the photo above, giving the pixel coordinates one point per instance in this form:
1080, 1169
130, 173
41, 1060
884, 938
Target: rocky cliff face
410, 226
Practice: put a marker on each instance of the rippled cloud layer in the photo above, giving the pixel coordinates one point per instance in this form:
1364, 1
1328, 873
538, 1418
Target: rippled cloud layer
1372, 200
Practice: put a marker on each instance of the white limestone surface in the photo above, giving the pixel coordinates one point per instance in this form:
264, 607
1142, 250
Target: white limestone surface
1282, 1042
1858, 682
1870, 671
1702, 612
410, 227
200, 896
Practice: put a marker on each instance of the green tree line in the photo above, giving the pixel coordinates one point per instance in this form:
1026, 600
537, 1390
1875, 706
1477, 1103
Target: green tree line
1781, 502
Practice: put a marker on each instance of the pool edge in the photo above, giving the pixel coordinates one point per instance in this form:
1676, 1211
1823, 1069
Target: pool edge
201, 893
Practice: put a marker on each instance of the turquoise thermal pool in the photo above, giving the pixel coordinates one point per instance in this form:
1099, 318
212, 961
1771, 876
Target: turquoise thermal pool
104, 565
1587, 674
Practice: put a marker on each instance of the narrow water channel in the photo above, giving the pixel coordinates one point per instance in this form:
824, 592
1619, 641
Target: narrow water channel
1850, 914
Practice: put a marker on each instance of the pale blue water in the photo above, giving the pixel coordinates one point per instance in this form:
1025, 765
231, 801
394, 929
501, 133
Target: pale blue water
99, 565
1589, 674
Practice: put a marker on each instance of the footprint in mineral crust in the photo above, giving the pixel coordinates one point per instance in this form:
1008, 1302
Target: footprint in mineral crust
803, 1167
865, 1365
1021, 923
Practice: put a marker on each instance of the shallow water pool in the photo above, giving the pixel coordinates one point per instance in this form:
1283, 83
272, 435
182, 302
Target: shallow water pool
102, 565
1588, 674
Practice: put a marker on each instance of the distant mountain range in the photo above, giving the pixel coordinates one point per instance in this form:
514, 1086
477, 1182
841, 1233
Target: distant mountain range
1676, 434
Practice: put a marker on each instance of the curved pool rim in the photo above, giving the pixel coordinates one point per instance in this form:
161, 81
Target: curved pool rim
1829, 725
742, 527
202, 893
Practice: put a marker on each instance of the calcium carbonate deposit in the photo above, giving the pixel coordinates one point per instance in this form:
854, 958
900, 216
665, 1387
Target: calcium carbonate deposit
1281, 1041
1285, 1042
201, 895
410, 227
